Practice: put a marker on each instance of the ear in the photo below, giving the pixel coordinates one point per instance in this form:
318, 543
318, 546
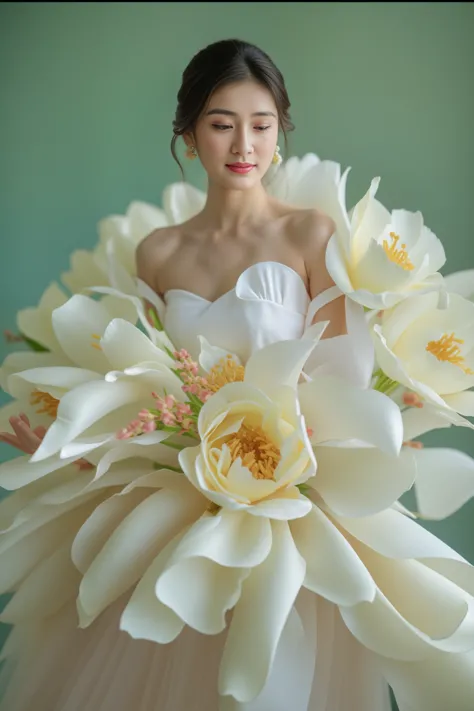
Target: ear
188, 138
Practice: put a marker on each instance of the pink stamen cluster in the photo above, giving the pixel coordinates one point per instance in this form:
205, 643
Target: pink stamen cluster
28, 440
168, 411
412, 399
188, 371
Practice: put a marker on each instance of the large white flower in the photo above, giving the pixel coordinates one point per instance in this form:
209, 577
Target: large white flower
430, 350
383, 257
112, 261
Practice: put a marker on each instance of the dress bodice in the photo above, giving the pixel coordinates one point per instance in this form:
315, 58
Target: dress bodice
269, 303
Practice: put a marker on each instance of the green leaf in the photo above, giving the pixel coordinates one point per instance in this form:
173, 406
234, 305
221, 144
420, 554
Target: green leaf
34, 345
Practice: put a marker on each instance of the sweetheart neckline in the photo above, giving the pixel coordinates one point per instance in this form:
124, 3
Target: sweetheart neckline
241, 276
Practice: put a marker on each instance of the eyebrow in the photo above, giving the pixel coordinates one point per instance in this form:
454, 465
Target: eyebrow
226, 112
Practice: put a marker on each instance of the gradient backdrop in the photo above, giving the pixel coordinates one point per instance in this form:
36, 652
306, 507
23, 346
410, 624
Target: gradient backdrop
88, 94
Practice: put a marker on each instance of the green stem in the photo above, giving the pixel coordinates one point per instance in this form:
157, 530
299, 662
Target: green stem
155, 321
157, 465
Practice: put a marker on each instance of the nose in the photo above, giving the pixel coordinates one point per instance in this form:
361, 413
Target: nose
242, 145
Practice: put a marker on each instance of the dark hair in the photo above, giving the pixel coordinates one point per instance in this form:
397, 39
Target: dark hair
223, 63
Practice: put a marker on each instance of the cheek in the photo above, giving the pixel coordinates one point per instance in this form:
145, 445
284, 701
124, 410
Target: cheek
214, 143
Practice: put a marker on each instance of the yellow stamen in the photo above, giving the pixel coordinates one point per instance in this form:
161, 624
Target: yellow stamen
97, 337
257, 451
48, 402
446, 350
400, 255
225, 371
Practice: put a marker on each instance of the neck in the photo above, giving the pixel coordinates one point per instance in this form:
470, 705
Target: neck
228, 210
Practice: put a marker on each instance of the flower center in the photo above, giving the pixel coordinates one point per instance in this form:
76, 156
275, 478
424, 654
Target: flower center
397, 255
446, 349
225, 371
257, 451
49, 404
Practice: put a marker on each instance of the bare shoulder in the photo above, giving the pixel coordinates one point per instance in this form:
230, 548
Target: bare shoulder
154, 251
312, 229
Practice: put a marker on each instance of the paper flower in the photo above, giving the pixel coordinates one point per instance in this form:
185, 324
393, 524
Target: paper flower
384, 257
430, 350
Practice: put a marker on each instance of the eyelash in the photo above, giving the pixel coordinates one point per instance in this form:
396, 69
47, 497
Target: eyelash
222, 127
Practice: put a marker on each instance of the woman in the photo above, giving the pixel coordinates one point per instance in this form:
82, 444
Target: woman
231, 106
243, 246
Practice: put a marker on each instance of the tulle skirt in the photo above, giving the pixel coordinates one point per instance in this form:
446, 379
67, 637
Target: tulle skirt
54, 666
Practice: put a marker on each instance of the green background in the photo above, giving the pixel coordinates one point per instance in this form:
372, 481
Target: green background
88, 93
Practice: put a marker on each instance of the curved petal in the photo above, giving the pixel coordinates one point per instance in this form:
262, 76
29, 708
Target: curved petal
278, 363
85, 405
77, 325
231, 539
258, 621
283, 507
215, 590
124, 345
144, 616
132, 546
333, 569
36, 323
444, 481
336, 410
462, 402
394, 535
210, 355
362, 481
50, 585
181, 201
461, 283
440, 682
380, 627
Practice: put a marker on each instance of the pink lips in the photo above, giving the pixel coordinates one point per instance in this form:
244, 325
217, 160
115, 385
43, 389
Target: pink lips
240, 167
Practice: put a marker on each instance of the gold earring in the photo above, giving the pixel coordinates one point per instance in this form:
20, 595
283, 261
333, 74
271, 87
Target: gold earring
191, 152
277, 159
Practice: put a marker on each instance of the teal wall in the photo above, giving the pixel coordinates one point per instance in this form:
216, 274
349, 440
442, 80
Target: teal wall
88, 94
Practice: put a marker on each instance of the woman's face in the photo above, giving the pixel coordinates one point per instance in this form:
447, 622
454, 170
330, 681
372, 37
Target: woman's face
237, 134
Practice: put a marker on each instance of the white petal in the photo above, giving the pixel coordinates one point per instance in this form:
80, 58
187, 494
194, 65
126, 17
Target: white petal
336, 410
97, 529
181, 201
462, 402
258, 621
231, 539
21, 471
77, 325
83, 406
440, 682
145, 617
380, 627
210, 355
43, 592
363, 481
215, 590
130, 549
461, 283
396, 536
36, 323
444, 481
333, 569
278, 363
124, 345
336, 266
282, 508
417, 421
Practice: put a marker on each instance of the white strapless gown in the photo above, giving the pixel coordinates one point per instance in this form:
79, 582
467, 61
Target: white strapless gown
54, 666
